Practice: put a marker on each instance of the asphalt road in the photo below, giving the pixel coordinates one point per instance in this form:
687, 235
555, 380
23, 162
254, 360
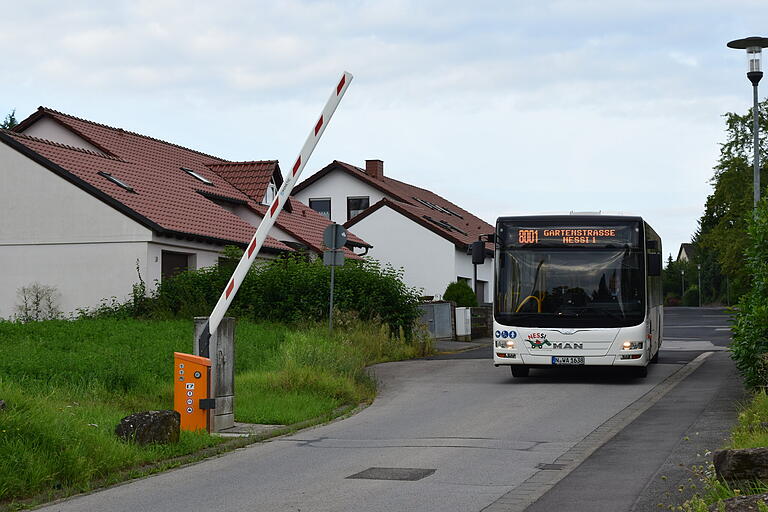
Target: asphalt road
455, 434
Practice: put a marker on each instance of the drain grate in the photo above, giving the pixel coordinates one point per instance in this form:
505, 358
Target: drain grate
406, 474
551, 467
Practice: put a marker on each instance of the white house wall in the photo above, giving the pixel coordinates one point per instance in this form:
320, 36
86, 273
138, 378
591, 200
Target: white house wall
464, 268
55, 234
40, 207
83, 274
46, 128
427, 258
338, 185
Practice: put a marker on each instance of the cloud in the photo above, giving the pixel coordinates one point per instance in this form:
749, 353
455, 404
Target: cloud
500, 106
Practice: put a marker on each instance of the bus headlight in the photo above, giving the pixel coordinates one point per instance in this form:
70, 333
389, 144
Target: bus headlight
505, 344
632, 345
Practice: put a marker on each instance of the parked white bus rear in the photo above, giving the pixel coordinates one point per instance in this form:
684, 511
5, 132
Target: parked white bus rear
576, 290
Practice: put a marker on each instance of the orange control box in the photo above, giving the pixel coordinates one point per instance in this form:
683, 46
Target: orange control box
191, 377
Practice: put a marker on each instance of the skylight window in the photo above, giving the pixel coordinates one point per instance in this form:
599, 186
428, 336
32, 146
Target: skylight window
437, 208
197, 176
116, 181
445, 225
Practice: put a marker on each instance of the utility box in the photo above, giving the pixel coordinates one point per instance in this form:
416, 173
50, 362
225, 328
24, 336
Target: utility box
221, 349
463, 324
191, 391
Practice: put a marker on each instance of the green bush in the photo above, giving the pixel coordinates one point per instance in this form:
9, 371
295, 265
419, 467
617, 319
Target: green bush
750, 332
672, 299
691, 296
289, 290
460, 293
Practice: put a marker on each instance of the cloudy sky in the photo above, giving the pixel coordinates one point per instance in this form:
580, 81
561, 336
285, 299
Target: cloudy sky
504, 107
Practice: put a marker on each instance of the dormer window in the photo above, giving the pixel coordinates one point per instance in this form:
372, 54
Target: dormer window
116, 181
270, 194
356, 205
197, 176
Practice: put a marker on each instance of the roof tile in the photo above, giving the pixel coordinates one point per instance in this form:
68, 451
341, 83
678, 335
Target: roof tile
166, 196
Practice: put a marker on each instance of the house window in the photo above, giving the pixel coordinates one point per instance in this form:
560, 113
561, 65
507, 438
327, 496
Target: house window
271, 193
173, 263
321, 206
464, 280
356, 205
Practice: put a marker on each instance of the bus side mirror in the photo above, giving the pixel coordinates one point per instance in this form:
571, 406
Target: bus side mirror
478, 253
654, 264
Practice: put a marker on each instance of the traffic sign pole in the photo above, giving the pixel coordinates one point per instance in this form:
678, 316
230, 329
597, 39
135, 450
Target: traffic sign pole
330, 313
271, 214
334, 238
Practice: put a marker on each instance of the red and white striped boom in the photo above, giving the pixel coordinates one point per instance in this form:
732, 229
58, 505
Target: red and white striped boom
271, 215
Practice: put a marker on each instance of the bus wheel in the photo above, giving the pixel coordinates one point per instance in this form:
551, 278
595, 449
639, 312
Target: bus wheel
640, 372
655, 358
519, 371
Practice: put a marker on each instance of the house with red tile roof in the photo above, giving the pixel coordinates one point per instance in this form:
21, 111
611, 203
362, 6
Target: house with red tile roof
409, 227
87, 208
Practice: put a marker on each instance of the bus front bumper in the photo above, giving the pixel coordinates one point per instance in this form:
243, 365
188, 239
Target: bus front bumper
545, 360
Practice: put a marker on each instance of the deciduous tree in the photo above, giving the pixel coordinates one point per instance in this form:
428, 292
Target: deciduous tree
721, 239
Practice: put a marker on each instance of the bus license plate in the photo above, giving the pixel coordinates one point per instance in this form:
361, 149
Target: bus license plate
568, 360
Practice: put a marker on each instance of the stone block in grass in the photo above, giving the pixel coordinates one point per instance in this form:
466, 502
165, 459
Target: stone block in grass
160, 427
741, 465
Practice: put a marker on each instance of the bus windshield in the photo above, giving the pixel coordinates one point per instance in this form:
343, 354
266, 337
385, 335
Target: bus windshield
544, 285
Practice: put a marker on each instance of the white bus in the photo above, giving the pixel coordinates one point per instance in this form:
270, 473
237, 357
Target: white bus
579, 289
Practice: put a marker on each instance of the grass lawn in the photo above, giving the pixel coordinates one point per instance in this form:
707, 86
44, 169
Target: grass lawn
68, 383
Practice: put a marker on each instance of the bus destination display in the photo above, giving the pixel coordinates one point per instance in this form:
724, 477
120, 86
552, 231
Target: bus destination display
552, 236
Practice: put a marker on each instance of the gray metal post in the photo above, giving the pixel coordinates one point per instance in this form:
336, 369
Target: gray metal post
699, 273
756, 135
682, 284
330, 312
222, 355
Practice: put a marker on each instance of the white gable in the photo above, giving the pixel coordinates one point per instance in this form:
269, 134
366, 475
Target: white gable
428, 259
337, 186
38, 206
48, 129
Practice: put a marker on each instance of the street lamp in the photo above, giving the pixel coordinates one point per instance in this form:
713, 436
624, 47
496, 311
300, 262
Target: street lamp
698, 267
754, 46
682, 283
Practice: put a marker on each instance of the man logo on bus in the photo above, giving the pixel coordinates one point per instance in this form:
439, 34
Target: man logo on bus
538, 340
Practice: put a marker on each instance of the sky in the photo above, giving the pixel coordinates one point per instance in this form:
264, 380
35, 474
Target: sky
502, 107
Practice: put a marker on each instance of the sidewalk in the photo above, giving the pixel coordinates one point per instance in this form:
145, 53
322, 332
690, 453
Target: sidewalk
647, 465
453, 347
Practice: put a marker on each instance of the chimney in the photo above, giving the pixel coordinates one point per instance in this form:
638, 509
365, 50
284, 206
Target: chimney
374, 168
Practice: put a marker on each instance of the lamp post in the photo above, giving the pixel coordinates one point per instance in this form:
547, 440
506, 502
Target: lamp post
754, 46
682, 283
698, 267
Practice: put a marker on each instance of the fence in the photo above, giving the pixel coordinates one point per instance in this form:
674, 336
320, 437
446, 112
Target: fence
482, 322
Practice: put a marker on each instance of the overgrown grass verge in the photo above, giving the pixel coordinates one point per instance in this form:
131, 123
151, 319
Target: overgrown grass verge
751, 431
67, 384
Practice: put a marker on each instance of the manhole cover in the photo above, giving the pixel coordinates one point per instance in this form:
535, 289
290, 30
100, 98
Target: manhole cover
550, 466
408, 474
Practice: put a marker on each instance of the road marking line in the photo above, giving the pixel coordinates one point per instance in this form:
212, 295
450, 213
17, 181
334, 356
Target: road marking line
526, 493
697, 327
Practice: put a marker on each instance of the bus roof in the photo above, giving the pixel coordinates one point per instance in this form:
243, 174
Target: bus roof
578, 217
